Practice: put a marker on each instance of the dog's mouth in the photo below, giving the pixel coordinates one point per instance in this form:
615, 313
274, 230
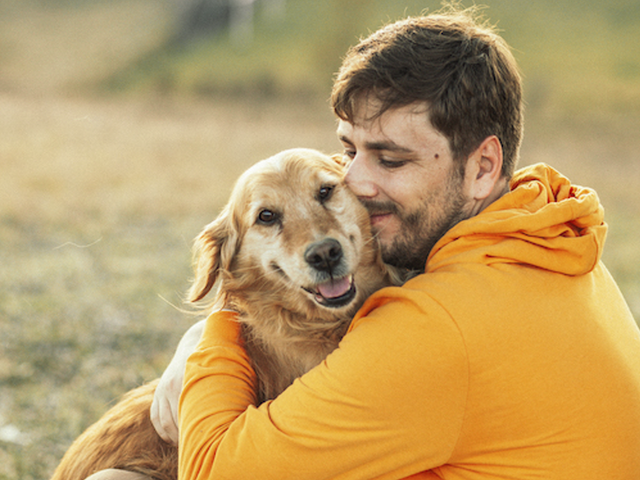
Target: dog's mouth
335, 293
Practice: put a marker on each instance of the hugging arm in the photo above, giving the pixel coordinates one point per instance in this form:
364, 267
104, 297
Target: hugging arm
374, 408
164, 409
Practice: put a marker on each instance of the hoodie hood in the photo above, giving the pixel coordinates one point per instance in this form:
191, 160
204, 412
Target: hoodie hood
544, 222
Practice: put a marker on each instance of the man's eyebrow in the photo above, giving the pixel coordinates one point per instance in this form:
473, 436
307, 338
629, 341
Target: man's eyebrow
345, 139
388, 146
379, 146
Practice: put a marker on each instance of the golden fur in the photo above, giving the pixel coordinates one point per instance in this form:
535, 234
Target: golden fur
292, 252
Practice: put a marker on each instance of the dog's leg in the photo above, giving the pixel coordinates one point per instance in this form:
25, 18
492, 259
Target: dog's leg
124, 438
114, 474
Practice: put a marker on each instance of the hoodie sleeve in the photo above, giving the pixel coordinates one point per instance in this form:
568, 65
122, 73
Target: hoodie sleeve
387, 403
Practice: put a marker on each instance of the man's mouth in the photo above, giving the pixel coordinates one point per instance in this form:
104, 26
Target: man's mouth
379, 212
335, 293
378, 218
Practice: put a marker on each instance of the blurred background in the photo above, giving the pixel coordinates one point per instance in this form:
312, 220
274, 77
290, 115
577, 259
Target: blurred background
123, 124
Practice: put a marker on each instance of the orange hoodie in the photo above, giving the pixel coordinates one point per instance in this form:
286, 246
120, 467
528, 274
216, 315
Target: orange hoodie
513, 357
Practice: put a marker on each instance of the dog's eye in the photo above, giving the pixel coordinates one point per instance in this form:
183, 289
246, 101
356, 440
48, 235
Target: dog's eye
267, 217
325, 192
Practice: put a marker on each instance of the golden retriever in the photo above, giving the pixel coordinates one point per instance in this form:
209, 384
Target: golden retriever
292, 252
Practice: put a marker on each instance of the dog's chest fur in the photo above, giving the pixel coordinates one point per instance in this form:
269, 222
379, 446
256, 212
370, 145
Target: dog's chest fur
279, 359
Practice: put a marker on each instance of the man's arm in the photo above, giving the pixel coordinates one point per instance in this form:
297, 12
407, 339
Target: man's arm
164, 409
389, 400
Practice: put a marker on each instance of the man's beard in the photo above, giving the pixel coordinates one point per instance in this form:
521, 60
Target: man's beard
422, 228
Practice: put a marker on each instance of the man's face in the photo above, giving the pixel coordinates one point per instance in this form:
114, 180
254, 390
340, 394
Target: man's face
403, 171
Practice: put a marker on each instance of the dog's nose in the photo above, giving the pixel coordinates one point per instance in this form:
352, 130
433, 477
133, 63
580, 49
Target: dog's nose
324, 255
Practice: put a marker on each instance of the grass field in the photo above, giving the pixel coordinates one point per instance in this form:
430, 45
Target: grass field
101, 194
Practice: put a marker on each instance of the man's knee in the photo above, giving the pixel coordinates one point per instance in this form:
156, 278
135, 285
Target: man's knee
114, 474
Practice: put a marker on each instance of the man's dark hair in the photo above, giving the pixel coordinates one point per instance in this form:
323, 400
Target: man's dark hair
460, 67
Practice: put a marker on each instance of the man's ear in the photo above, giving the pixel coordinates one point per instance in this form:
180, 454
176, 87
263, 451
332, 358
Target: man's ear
484, 169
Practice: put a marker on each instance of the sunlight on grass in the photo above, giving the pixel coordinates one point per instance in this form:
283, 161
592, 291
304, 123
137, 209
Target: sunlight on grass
99, 203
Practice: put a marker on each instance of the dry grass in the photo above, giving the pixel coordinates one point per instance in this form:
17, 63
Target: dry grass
99, 201
100, 198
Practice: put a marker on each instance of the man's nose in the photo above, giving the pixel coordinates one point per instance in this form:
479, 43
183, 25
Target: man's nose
359, 178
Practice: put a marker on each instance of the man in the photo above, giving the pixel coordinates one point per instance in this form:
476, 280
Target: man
514, 354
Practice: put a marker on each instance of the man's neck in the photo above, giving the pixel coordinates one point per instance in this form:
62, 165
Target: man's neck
501, 187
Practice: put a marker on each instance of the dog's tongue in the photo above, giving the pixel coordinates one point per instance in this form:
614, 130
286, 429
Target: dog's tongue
335, 288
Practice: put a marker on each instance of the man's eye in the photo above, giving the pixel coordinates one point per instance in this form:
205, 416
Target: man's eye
325, 192
391, 164
267, 217
349, 154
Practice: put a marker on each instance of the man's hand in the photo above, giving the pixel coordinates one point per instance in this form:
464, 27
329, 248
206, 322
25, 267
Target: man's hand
164, 409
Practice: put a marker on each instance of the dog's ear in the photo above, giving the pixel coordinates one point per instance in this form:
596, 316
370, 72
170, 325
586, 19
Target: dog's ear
214, 249
340, 159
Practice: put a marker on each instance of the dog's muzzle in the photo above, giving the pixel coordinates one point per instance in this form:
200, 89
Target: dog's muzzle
335, 293
327, 258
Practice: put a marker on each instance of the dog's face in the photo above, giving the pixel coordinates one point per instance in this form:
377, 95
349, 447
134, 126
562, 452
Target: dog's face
294, 232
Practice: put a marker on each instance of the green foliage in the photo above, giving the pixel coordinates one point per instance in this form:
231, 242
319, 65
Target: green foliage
574, 55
